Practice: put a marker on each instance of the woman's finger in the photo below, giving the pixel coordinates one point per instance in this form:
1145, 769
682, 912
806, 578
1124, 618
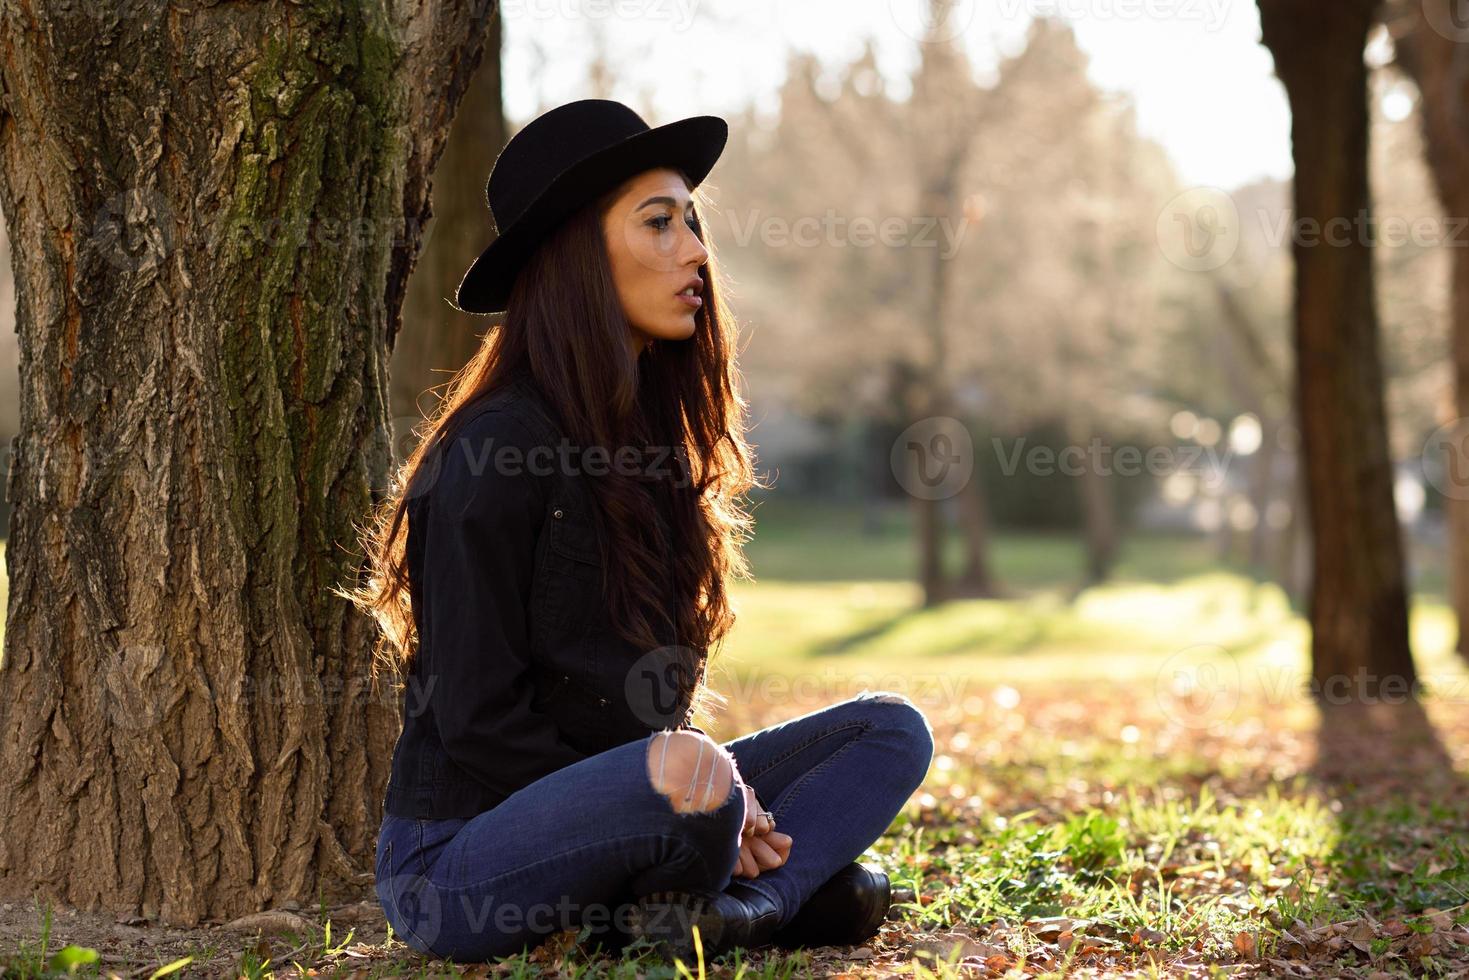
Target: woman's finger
752, 810
765, 856
779, 843
748, 863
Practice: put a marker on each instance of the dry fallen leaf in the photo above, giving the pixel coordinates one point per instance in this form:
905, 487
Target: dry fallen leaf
1361, 935
272, 922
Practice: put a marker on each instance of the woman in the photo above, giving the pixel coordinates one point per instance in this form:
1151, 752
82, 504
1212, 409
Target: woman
573, 515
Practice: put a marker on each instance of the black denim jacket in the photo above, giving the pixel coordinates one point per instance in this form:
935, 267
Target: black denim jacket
518, 671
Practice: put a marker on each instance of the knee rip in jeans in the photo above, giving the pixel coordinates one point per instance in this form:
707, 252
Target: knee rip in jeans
886, 697
893, 697
693, 771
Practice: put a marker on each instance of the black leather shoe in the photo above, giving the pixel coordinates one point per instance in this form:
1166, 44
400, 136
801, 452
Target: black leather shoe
737, 916
847, 909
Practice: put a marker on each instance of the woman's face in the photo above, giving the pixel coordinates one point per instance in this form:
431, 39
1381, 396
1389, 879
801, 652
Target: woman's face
655, 256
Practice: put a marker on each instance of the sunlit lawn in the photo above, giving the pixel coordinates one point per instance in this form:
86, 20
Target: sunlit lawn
801, 541
828, 597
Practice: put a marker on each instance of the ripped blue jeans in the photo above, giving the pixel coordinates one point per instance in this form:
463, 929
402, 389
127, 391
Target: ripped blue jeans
579, 846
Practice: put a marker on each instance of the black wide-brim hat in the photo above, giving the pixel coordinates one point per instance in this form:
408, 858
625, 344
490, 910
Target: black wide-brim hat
560, 161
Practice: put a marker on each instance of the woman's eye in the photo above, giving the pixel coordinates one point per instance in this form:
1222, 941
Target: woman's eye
662, 221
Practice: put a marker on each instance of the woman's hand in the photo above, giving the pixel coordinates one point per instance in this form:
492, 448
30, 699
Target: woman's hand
761, 847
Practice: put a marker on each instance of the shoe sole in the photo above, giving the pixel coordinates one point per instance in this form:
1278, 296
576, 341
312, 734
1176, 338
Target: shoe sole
667, 920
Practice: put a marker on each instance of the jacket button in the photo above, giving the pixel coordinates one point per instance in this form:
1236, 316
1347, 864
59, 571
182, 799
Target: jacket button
556, 513
603, 702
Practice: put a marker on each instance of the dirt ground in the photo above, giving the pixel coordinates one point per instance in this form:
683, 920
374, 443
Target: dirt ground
137, 947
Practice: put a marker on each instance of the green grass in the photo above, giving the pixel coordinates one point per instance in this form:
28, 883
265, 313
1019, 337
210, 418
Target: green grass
830, 596
1113, 629
805, 541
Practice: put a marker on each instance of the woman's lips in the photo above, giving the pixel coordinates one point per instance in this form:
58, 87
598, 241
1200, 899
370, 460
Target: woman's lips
694, 301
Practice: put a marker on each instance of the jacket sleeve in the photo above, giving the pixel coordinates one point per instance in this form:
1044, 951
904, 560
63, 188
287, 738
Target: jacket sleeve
484, 513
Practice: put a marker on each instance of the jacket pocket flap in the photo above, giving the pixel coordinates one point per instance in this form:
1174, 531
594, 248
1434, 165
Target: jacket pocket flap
573, 535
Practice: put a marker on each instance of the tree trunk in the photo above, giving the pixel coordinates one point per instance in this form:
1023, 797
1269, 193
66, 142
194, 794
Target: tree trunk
1457, 461
976, 580
939, 196
1098, 508
917, 401
1438, 61
872, 475
1358, 607
1259, 383
1291, 557
214, 215
931, 578
1263, 489
439, 340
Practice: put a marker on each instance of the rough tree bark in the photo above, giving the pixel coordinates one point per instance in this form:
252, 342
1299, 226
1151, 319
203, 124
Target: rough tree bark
1432, 44
441, 340
1358, 606
214, 212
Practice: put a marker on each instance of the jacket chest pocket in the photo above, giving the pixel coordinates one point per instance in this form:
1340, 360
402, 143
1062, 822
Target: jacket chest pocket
570, 579
566, 614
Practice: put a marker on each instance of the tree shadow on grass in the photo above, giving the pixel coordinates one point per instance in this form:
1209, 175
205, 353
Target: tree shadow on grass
1403, 815
850, 641
1015, 636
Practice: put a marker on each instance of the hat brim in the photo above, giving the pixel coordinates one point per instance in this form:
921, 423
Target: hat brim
692, 145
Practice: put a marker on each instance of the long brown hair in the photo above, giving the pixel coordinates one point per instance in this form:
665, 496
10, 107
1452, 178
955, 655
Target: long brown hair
565, 330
